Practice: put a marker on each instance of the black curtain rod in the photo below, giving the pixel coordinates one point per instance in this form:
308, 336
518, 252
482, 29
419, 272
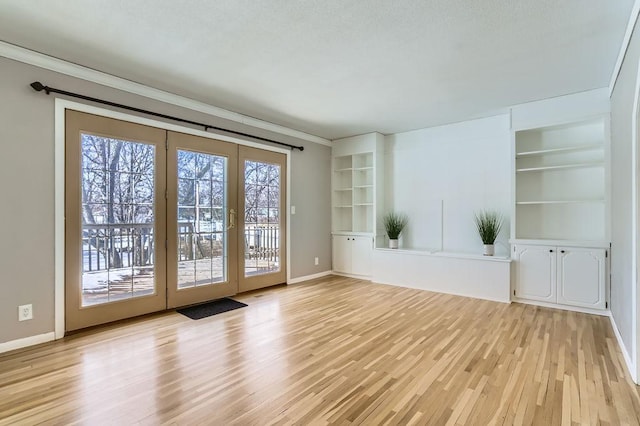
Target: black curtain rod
39, 87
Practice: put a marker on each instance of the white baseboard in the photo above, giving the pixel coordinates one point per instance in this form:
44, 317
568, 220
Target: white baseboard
625, 353
308, 277
27, 341
360, 277
603, 313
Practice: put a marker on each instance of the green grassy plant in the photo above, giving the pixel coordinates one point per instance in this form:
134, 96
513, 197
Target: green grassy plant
489, 224
394, 223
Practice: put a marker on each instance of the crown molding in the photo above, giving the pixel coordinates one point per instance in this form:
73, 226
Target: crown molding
635, 10
50, 63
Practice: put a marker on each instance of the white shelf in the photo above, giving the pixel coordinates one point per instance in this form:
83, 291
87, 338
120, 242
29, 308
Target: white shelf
353, 233
551, 151
363, 204
343, 189
361, 169
363, 186
561, 167
348, 169
439, 253
595, 200
343, 207
560, 243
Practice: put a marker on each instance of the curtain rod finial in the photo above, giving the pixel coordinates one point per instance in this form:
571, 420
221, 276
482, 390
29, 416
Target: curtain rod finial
37, 86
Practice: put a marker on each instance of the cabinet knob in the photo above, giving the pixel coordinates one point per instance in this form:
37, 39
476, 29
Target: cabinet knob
561, 251
550, 251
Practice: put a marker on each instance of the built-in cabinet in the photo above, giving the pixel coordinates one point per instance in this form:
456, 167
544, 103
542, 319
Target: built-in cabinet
571, 276
357, 200
352, 254
535, 272
560, 234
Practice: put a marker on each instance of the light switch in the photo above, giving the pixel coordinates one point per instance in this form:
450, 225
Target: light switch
293, 209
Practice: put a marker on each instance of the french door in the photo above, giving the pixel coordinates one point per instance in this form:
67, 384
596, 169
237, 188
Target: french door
158, 219
115, 224
262, 219
202, 176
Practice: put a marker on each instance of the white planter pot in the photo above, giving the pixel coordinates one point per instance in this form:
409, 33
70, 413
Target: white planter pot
489, 250
393, 244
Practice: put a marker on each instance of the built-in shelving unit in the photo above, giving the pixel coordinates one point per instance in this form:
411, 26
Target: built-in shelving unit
357, 202
353, 193
560, 182
560, 238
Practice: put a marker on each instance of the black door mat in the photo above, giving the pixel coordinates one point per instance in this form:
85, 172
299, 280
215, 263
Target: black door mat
211, 308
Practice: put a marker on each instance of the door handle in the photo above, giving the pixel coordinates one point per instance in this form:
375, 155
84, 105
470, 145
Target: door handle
232, 219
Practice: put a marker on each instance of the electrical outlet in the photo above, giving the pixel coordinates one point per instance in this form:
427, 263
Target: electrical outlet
25, 312
316, 261
293, 209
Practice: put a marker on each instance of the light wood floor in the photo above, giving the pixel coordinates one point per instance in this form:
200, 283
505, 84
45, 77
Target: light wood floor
334, 350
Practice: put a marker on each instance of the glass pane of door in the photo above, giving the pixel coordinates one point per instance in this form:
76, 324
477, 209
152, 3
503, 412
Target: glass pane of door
202, 225
261, 218
202, 201
117, 219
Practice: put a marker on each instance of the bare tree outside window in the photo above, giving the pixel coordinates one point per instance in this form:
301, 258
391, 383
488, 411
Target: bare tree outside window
201, 219
118, 191
262, 217
117, 218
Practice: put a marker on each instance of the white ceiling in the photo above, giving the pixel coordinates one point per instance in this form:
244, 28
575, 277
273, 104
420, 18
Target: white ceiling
336, 68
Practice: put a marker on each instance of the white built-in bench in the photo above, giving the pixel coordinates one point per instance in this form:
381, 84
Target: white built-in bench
471, 275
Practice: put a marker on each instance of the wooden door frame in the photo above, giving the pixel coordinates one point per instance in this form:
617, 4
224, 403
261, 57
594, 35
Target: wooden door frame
79, 316
61, 105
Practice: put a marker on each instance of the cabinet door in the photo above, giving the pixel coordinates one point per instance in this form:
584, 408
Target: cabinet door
535, 268
341, 257
581, 277
361, 255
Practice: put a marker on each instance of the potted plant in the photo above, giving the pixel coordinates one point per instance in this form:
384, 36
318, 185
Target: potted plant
394, 223
489, 224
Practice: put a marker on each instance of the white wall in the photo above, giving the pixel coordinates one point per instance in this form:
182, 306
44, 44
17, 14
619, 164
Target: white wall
623, 265
440, 176
559, 110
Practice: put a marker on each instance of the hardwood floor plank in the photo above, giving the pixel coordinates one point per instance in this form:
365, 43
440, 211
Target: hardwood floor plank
330, 351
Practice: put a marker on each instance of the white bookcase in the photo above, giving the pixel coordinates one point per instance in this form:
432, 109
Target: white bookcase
561, 230
353, 193
357, 200
561, 182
